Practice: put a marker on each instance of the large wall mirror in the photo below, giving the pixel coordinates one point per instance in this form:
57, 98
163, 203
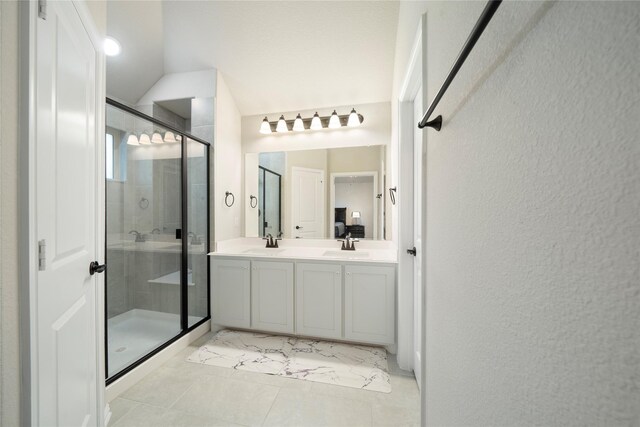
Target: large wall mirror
316, 194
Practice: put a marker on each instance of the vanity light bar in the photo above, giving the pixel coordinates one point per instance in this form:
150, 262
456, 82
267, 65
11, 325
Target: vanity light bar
316, 122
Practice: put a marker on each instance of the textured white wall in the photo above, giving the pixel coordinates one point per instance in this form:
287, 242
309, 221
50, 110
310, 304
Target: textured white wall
533, 221
228, 170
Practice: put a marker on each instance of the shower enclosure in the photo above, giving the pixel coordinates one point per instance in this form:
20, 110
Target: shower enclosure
157, 236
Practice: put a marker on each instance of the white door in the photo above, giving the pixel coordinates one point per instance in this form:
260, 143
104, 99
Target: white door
307, 203
272, 296
417, 231
65, 365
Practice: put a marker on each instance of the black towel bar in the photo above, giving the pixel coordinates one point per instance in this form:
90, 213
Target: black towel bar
482, 23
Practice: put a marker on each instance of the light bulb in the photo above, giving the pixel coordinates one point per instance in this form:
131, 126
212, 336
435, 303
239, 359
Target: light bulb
297, 124
334, 121
170, 137
316, 123
354, 120
265, 127
156, 138
282, 125
144, 139
111, 46
132, 139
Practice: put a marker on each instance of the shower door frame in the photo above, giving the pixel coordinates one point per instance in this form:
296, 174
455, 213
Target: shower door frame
184, 257
261, 228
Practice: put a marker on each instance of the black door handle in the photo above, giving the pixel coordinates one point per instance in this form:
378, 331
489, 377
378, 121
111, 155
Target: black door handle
94, 268
298, 227
412, 251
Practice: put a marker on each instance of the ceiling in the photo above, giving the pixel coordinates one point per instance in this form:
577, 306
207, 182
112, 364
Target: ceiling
274, 55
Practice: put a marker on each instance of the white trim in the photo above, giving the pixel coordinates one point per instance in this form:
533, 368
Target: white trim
332, 200
406, 128
27, 215
103, 411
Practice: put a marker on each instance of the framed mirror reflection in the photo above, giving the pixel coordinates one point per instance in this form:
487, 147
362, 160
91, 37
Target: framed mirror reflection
316, 194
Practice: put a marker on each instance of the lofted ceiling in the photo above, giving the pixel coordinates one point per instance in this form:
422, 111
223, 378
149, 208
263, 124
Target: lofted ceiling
274, 55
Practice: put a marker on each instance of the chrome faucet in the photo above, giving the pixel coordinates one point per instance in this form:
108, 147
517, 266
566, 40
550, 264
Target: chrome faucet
271, 241
155, 231
139, 236
348, 244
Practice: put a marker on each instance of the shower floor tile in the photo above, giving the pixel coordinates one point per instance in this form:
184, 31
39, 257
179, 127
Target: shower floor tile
133, 334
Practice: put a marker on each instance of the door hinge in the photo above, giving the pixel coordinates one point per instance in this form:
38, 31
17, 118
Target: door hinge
42, 255
42, 9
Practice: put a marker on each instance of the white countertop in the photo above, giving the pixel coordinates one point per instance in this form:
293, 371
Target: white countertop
368, 251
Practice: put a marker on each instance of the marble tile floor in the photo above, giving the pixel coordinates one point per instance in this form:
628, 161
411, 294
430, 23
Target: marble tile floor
187, 394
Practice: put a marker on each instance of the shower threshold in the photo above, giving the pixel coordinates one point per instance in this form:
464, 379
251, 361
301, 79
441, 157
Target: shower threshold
134, 333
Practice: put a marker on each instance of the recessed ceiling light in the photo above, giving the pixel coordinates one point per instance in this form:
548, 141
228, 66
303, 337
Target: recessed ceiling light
111, 47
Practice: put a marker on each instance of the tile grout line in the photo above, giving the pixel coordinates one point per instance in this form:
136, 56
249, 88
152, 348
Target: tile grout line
182, 395
271, 406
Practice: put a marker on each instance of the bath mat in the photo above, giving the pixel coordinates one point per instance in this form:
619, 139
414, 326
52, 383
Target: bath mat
347, 365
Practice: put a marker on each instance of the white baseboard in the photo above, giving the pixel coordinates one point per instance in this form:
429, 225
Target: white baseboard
121, 385
107, 414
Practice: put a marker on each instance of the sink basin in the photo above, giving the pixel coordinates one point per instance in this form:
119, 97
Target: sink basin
264, 251
347, 254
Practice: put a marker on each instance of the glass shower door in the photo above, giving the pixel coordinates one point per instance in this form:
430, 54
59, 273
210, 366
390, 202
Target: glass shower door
157, 236
198, 231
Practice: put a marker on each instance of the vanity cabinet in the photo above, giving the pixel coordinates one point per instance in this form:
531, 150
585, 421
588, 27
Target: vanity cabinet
369, 303
319, 300
272, 296
230, 292
332, 300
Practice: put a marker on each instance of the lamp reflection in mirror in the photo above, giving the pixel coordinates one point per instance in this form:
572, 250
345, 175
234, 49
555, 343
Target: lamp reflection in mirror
170, 137
132, 139
156, 138
144, 139
356, 217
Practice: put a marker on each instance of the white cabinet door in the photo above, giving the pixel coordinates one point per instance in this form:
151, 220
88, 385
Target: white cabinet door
369, 303
319, 300
272, 296
231, 293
